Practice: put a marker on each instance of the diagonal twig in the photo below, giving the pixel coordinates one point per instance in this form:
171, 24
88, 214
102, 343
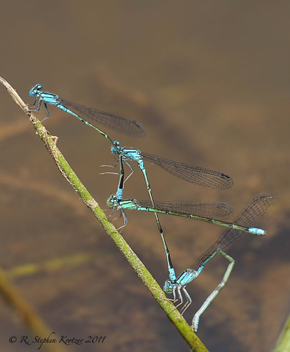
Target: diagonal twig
90, 202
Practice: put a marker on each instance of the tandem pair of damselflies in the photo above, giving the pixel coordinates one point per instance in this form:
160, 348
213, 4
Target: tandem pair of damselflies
200, 176
193, 174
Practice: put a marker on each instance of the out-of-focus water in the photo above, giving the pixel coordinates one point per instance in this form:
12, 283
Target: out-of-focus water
210, 82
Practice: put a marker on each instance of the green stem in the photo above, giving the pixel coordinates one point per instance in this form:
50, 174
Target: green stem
283, 342
140, 269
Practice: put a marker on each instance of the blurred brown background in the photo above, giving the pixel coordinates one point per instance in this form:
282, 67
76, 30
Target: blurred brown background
210, 82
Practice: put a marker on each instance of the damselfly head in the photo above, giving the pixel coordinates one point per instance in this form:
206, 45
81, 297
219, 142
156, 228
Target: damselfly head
117, 148
111, 201
168, 288
33, 91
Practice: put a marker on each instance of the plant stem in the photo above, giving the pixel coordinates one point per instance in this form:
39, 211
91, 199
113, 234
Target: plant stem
138, 266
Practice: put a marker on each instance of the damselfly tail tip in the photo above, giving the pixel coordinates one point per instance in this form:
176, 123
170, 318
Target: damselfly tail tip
194, 324
257, 231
